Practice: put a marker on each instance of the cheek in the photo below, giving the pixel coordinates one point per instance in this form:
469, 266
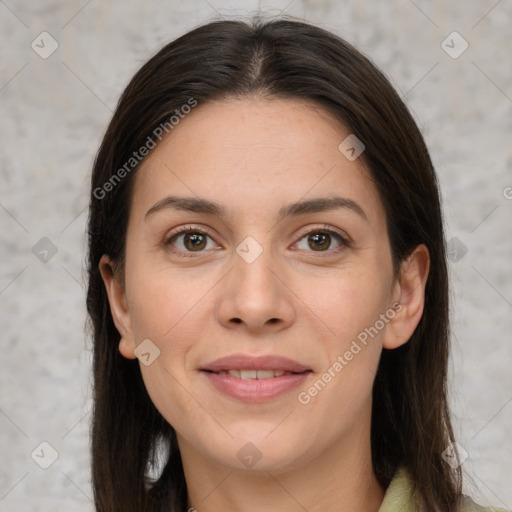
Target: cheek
163, 311
343, 387
162, 302
346, 302
352, 311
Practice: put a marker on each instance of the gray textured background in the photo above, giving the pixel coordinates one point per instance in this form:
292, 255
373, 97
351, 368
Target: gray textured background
54, 112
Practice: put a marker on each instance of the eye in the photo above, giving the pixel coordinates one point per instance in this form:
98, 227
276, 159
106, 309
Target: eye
189, 239
321, 240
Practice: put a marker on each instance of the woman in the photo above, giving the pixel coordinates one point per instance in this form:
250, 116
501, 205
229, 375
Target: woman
268, 285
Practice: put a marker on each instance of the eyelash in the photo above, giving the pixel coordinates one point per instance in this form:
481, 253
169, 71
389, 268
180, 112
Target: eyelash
182, 231
344, 242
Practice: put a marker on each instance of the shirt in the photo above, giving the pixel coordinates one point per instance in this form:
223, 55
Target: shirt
399, 497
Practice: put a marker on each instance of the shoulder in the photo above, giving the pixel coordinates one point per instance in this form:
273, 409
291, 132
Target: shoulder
399, 497
468, 505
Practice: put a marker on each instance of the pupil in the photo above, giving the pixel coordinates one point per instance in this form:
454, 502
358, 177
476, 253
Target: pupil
322, 241
194, 241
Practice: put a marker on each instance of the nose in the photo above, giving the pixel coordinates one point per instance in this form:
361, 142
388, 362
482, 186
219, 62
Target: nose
254, 297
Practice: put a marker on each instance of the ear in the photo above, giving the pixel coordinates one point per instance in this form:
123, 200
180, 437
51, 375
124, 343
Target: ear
409, 293
118, 307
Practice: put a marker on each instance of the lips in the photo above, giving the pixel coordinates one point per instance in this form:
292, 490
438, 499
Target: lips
244, 362
255, 379
254, 374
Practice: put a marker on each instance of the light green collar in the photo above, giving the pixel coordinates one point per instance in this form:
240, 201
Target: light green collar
399, 497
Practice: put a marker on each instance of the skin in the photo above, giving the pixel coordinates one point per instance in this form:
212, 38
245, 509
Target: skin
253, 156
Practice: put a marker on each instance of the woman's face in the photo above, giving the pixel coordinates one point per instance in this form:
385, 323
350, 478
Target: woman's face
286, 256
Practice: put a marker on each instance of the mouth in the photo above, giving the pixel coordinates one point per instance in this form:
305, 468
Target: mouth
255, 374
255, 379
246, 364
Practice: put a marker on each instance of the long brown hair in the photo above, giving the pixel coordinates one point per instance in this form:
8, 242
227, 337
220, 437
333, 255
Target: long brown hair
290, 59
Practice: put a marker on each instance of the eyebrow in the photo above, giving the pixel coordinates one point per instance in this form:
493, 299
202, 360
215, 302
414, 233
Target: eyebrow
200, 205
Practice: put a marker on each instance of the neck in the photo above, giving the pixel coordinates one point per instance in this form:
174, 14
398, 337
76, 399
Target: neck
341, 478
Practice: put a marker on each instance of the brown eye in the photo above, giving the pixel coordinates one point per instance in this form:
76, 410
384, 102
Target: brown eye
319, 241
194, 241
190, 240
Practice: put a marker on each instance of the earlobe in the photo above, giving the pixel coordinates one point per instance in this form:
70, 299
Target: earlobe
410, 293
118, 308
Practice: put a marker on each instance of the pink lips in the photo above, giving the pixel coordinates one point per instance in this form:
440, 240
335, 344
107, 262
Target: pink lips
243, 362
255, 390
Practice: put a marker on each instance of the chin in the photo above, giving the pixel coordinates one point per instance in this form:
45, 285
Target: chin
259, 454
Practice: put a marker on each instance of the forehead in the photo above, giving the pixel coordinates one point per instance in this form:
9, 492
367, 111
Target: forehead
253, 155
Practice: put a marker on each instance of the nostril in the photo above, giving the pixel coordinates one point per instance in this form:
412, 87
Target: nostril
270, 321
